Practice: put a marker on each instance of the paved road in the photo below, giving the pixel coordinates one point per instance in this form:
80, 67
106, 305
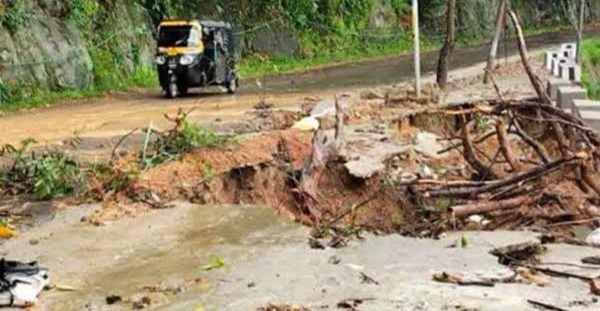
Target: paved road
117, 114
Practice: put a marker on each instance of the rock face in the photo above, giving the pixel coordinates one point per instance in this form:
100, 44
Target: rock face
46, 52
49, 51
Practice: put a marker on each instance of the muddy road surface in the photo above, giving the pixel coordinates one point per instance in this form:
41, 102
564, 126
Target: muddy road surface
115, 115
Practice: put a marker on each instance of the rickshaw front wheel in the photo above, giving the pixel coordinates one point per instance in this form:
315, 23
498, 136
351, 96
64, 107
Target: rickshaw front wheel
172, 90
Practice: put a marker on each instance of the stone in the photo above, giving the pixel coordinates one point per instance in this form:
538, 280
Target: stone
553, 85
566, 95
427, 144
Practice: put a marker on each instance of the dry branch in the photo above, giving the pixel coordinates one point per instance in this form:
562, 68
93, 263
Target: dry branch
487, 207
536, 145
537, 83
469, 153
505, 147
532, 174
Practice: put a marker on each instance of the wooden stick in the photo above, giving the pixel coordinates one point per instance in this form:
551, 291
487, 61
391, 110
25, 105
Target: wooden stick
532, 174
486, 207
545, 305
505, 146
121, 140
536, 145
469, 153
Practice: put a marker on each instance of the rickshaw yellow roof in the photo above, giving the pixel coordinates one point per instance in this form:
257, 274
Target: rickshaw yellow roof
179, 23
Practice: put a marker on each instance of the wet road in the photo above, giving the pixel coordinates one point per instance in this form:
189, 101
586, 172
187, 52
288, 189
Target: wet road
117, 114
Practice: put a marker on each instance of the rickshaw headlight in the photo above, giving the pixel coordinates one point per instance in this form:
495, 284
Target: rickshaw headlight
160, 60
186, 60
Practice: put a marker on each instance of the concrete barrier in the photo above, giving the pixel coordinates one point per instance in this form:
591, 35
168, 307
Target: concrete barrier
553, 84
556, 65
569, 50
566, 95
570, 71
550, 55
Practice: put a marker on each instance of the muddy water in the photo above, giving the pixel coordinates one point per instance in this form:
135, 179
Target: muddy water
117, 114
166, 248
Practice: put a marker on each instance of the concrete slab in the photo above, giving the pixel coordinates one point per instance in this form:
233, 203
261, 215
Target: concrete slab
587, 105
566, 95
553, 84
591, 118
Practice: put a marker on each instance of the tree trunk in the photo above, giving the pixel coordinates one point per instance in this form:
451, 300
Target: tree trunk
500, 21
536, 81
580, 31
446, 52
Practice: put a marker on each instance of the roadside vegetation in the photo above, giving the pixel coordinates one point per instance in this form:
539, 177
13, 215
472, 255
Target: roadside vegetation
591, 67
48, 173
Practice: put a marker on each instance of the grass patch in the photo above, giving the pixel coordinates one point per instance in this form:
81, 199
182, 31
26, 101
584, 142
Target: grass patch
591, 67
171, 145
13, 98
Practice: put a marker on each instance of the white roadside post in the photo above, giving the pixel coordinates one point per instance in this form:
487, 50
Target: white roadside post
415, 18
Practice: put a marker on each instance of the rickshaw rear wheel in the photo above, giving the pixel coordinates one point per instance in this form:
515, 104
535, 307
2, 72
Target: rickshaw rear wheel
232, 85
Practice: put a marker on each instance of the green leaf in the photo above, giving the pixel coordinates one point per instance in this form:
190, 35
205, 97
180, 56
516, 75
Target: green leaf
217, 263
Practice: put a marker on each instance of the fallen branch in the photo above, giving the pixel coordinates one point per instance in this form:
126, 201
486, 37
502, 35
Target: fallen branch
532, 174
536, 145
487, 207
469, 153
505, 147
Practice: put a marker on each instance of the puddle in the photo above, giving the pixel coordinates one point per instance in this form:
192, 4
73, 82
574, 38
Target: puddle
174, 255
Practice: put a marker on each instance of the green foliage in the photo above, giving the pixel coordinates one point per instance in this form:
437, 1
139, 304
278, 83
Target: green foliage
591, 67
217, 262
161, 147
464, 242
13, 14
51, 175
83, 13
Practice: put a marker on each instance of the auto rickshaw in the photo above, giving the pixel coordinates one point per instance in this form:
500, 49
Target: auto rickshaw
195, 54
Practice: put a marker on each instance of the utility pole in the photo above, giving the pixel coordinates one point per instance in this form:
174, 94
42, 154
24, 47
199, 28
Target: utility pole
415, 18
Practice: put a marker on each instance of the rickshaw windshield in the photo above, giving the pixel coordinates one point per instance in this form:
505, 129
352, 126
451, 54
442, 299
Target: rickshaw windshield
179, 36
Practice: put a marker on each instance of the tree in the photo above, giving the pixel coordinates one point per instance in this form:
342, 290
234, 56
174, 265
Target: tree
575, 12
500, 21
448, 48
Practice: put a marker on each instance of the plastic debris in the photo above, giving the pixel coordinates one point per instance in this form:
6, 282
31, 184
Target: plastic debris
594, 238
7, 233
21, 283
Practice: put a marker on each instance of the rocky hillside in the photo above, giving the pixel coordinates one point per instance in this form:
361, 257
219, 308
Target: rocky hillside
76, 44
